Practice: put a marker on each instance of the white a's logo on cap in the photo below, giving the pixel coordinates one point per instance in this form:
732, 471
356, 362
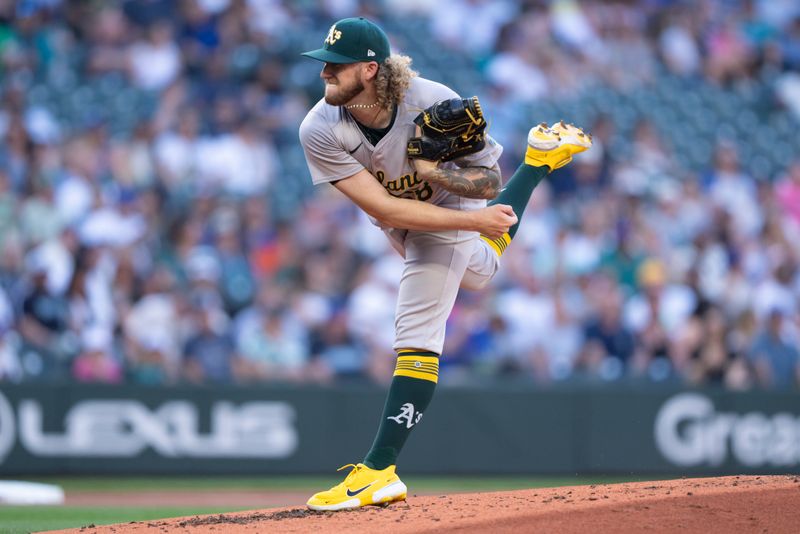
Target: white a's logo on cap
333, 35
370, 53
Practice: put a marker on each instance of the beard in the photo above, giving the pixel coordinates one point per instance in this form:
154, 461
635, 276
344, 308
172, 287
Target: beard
342, 94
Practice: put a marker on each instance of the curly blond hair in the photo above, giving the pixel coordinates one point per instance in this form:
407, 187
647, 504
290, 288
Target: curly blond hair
393, 79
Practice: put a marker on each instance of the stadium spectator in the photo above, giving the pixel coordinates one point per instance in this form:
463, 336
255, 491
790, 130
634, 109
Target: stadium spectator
153, 337
177, 153
155, 62
150, 169
609, 345
342, 356
10, 365
775, 358
678, 44
787, 193
704, 342
107, 37
96, 361
208, 352
479, 42
733, 191
371, 306
273, 348
656, 314
44, 325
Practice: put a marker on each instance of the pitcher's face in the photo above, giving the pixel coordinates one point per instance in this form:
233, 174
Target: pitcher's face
342, 82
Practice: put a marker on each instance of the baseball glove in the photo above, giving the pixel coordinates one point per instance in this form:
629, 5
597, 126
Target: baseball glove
450, 129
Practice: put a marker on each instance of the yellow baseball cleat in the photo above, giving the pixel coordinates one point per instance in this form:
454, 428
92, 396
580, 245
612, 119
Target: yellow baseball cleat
362, 487
555, 146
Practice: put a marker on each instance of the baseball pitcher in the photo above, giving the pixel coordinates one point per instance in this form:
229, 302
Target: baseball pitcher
416, 157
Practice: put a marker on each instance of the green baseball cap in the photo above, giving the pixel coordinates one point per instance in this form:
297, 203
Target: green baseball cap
352, 40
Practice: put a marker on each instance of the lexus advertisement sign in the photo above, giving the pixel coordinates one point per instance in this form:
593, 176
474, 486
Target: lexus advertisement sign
128, 430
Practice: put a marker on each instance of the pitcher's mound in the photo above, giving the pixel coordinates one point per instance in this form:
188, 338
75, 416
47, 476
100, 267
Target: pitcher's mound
704, 505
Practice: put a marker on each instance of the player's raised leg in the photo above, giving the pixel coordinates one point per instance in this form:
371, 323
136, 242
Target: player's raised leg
549, 148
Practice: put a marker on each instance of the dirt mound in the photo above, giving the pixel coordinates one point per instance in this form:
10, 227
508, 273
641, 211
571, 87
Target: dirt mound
705, 505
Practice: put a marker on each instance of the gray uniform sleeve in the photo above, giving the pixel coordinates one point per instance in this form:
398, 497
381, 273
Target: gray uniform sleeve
327, 160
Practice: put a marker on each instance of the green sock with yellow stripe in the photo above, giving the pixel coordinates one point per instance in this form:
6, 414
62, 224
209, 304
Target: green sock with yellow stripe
516, 194
415, 378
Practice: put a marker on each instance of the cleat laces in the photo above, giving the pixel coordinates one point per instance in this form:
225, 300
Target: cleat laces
350, 476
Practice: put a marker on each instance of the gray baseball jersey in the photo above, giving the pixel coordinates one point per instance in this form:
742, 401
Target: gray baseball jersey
436, 263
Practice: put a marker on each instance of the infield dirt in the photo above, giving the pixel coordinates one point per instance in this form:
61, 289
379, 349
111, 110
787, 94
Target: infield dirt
736, 504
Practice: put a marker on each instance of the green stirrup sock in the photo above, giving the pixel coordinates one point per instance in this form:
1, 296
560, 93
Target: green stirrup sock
517, 192
410, 394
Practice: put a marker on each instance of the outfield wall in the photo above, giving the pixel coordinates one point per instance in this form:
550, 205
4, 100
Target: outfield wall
283, 430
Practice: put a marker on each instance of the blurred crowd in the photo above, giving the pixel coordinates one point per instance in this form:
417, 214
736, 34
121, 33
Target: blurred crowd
157, 224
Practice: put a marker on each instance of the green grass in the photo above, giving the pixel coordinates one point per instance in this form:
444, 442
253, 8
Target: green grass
307, 483
24, 519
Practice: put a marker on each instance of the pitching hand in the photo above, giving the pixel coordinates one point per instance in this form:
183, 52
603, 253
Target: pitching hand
494, 221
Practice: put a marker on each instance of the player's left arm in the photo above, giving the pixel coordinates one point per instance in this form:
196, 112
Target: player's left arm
468, 182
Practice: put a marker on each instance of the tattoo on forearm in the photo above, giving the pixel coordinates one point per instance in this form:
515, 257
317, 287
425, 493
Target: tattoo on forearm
471, 182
